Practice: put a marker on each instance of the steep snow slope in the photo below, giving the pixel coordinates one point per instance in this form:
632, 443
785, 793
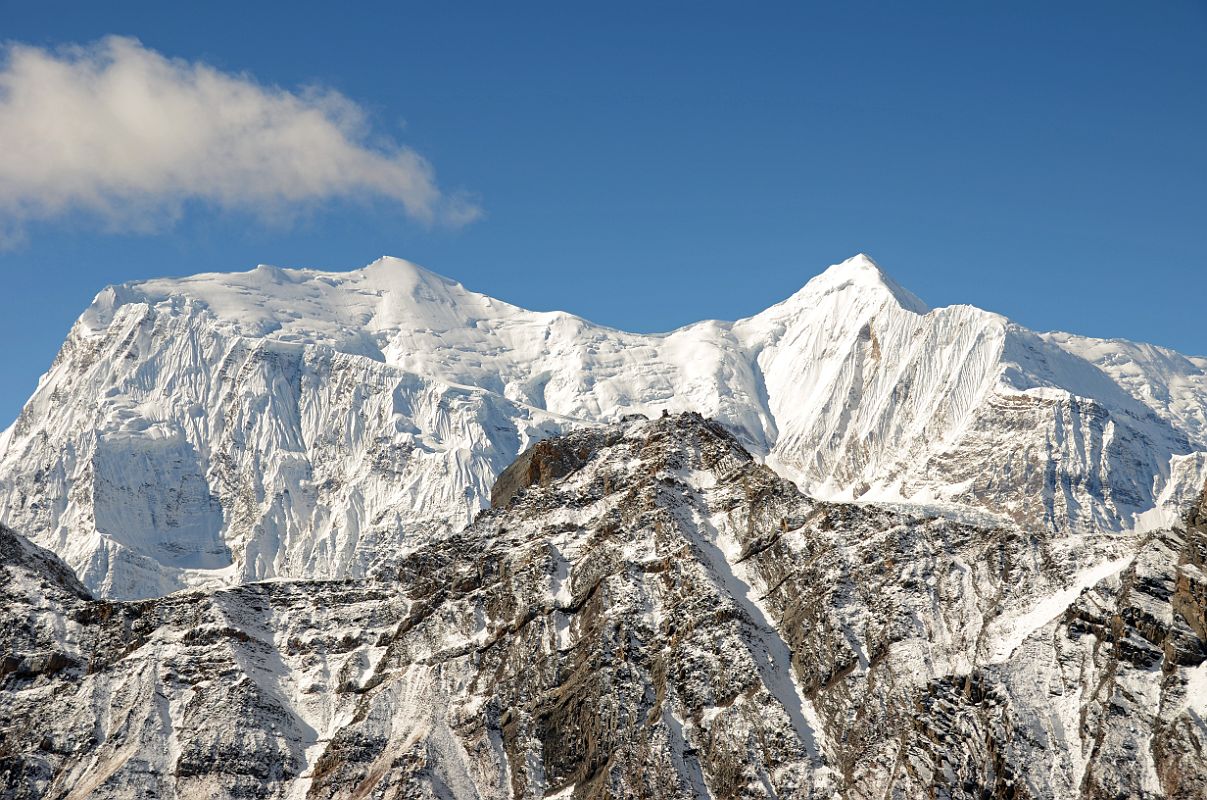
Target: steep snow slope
309, 424
646, 613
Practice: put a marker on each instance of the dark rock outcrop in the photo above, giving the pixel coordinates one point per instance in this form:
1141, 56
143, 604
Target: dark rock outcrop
547, 461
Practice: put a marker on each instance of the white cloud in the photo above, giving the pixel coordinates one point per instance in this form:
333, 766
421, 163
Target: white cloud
122, 132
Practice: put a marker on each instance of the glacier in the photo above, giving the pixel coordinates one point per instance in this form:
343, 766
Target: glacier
294, 423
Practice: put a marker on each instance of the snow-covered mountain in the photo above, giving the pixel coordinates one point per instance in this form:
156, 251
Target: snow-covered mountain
646, 612
295, 423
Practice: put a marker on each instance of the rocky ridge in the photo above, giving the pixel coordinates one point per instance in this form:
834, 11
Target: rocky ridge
647, 612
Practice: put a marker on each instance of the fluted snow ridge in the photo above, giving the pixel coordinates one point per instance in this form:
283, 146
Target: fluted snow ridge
296, 423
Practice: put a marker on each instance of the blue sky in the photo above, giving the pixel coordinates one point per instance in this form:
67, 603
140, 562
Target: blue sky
649, 164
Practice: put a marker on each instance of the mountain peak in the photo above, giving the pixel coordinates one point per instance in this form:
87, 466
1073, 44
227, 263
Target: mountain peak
861, 272
394, 266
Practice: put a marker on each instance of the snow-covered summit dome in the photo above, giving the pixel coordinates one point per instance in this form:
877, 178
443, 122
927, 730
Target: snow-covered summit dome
861, 274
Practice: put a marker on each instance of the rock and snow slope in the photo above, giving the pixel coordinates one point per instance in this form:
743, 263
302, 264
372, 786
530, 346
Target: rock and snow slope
294, 423
648, 613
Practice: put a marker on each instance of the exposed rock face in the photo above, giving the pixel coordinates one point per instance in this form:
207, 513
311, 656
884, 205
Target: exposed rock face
293, 423
650, 614
194, 695
545, 462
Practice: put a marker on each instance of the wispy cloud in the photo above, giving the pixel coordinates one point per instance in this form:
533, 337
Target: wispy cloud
120, 131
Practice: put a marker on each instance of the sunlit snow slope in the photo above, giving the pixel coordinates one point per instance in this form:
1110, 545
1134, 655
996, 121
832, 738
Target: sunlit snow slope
302, 423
